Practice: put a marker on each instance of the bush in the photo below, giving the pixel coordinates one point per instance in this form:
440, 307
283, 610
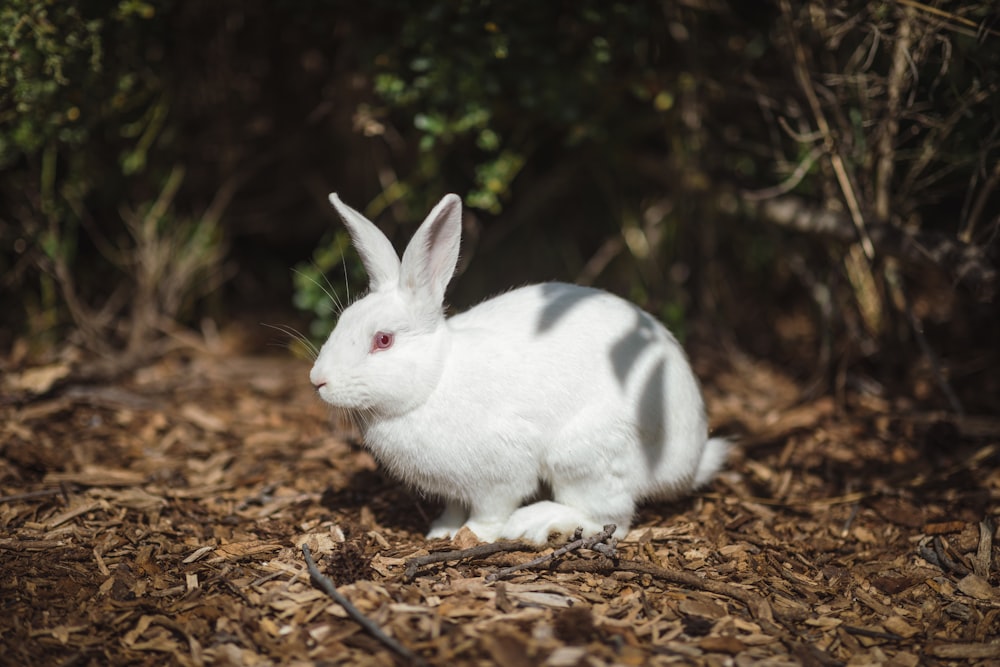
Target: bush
82, 108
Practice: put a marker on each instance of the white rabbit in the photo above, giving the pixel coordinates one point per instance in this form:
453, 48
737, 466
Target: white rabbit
550, 387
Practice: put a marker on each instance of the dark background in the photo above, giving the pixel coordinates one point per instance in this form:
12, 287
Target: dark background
814, 183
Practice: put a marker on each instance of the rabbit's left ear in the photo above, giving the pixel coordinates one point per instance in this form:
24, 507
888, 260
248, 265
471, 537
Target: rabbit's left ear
430, 258
374, 249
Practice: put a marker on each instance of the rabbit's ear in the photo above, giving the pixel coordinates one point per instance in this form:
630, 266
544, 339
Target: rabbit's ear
376, 252
430, 258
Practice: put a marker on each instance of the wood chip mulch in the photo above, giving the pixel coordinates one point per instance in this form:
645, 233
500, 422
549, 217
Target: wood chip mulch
161, 521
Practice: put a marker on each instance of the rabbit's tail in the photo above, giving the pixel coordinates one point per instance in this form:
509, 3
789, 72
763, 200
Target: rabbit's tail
712, 458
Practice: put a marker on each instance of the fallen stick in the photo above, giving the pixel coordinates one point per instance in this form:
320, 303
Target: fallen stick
414, 564
324, 584
603, 542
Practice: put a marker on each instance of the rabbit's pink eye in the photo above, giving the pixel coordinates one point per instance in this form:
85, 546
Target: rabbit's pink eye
381, 341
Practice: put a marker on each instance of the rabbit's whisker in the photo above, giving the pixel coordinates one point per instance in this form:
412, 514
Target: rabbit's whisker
295, 335
330, 293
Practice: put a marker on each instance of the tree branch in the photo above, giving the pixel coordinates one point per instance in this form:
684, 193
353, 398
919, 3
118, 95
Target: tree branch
885, 148
604, 542
965, 263
414, 564
837, 161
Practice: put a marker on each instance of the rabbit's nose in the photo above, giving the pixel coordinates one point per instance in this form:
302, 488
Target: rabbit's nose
317, 378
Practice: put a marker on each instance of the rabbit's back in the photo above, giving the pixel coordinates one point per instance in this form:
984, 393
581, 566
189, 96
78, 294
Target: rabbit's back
554, 370
559, 338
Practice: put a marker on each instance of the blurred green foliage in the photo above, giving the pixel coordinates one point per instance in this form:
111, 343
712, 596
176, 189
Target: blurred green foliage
83, 103
67, 68
47, 49
496, 80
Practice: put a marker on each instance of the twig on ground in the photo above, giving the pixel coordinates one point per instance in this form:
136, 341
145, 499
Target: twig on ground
324, 584
414, 564
933, 551
604, 543
223, 578
31, 495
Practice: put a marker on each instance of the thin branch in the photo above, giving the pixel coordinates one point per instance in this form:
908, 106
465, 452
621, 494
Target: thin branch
800, 137
789, 183
599, 261
932, 550
414, 564
992, 181
935, 139
604, 542
885, 165
964, 263
950, 17
325, 585
836, 160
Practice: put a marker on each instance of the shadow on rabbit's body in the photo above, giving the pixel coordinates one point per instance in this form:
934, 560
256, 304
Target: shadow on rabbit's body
551, 384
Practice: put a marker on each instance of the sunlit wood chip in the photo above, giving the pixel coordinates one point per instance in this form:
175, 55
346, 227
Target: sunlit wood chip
196, 554
722, 644
202, 419
896, 625
975, 586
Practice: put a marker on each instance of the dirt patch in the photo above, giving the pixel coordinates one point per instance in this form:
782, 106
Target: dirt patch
160, 521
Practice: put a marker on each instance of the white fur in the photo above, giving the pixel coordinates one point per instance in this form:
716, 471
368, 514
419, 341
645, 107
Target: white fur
548, 386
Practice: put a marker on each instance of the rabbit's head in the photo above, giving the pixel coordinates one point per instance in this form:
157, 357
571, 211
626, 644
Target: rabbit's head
388, 349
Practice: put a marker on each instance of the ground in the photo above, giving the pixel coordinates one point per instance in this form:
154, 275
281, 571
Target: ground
159, 520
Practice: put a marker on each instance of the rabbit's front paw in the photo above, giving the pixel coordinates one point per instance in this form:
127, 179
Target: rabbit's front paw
536, 522
486, 531
449, 522
440, 532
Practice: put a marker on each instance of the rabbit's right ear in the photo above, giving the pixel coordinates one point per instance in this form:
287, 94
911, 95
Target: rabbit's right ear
376, 252
430, 258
